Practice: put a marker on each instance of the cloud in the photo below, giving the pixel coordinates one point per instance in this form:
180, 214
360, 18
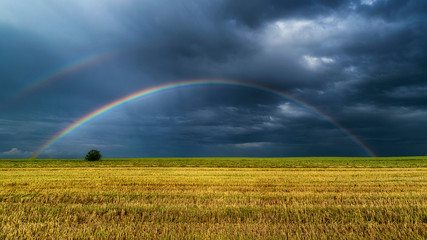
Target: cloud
251, 145
16, 152
290, 110
255, 13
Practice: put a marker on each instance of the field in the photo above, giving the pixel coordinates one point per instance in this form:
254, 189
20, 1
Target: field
215, 198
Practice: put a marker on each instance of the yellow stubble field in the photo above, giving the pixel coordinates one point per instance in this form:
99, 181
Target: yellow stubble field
213, 202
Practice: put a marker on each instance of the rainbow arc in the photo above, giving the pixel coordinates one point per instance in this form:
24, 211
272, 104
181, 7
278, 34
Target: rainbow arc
184, 84
64, 70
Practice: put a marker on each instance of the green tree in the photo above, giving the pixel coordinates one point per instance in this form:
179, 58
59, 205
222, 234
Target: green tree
93, 155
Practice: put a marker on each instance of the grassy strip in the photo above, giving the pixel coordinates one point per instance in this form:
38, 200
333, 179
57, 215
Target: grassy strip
307, 162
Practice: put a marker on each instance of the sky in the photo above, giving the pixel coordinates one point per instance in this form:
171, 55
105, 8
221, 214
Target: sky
343, 78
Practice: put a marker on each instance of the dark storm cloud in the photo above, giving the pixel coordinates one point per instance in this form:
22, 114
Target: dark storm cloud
257, 13
394, 10
187, 43
203, 41
391, 65
360, 62
197, 42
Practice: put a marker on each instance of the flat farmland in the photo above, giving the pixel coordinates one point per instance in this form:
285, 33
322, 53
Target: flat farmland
214, 198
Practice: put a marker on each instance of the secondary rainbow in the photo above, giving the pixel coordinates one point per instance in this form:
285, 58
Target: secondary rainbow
170, 86
66, 69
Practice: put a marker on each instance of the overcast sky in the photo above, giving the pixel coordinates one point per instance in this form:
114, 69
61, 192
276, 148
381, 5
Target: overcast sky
362, 63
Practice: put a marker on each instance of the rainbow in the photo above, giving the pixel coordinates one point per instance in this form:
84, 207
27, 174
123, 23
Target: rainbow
171, 86
64, 70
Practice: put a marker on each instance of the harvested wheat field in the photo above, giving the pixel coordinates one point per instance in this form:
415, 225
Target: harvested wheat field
208, 198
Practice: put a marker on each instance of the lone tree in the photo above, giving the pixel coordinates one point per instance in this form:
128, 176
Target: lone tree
93, 155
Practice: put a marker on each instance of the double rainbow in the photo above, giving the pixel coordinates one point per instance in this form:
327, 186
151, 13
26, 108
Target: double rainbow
171, 86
